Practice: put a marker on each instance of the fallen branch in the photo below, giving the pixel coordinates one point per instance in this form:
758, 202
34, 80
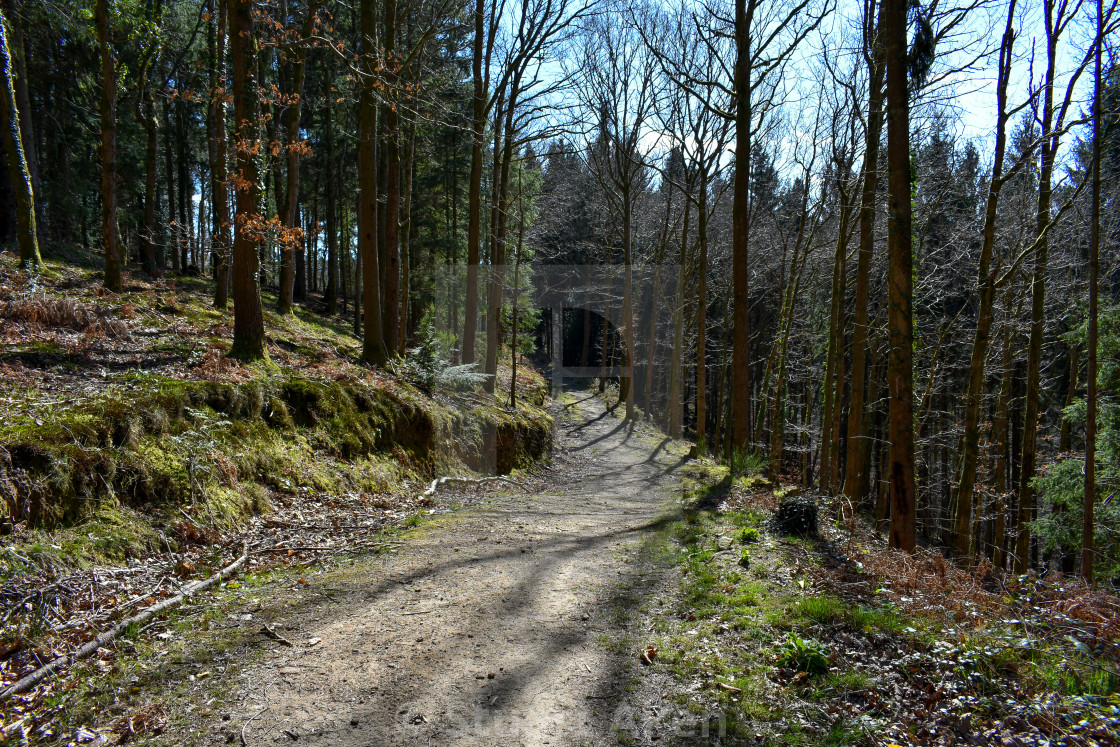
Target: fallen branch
42, 672
469, 480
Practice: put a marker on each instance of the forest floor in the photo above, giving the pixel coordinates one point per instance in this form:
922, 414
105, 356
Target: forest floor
627, 595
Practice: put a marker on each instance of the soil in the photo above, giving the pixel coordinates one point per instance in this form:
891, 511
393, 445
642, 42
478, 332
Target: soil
489, 627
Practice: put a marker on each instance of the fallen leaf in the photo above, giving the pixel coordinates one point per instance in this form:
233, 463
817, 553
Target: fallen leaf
649, 653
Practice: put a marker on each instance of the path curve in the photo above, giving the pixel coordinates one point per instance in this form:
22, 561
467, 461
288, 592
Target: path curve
486, 628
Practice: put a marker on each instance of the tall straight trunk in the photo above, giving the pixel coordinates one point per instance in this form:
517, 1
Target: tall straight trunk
147, 115
626, 383
171, 243
516, 287
499, 215
18, 65
406, 229
27, 234
373, 349
740, 364
474, 193
986, 284
248, 318
1001, 441
833, 384
900, 366
1065, 437
702, 316
1094, 269
332, 225
290, 207
1038, 303
675, 356
186, 187
855, 478
655, 298
219, 197
391, 249
108, 107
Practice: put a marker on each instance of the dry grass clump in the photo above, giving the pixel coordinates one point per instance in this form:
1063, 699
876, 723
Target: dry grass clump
44, 312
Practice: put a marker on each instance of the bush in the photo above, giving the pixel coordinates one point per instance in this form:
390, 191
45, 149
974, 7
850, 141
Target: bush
428, 366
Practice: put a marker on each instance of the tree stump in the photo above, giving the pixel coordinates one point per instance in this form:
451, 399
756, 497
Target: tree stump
797, 515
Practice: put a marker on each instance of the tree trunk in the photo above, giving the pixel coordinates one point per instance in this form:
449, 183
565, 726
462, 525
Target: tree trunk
286, 293
833, 384
986, 280
1088, 527
332, 225
391, 249
373, 350
406, 229
218, 188
172, 238
900, 368
857, 454
702, 317
17, 59
1038, 306
740, 364
474, 220
147, 115
675, 372
108, 102
248, 319
27, 234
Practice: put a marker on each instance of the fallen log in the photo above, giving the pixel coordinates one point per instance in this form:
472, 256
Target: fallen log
469, 480
109, 636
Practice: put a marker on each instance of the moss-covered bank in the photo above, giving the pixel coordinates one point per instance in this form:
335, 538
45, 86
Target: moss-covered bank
217, 448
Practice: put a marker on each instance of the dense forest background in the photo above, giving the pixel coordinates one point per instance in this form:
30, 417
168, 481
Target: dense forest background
877, 241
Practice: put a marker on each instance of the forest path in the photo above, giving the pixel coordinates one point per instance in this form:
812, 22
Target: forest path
486, 628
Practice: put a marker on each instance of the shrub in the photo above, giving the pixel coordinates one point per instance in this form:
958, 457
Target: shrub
803, 656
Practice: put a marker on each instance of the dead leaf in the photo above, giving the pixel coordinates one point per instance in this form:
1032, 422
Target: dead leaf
729, 688
649, 653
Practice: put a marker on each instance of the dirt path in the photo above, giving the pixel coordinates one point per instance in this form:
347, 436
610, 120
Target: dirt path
486, 629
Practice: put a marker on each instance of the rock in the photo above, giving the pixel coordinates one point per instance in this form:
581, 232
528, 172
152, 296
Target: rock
724, 542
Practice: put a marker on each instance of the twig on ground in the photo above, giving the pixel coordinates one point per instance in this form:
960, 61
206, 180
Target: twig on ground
42, 672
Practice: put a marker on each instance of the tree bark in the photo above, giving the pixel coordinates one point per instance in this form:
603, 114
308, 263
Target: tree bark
1038, 304
108, 107
1088, 527
855, 479
219, 196
986, 281
373, 349
391, 250
474, 219
248, 318
900, 367
27, 234
740, 363
332, 224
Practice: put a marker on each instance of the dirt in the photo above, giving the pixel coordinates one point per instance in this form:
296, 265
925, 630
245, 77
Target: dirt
489, 627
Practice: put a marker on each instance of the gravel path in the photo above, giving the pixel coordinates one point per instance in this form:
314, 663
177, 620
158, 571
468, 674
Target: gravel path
487, 627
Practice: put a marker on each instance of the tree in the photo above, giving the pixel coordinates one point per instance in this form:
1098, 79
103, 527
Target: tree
373, 348
108, 110
248, 317
27, 233
1089, 525
900, 368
